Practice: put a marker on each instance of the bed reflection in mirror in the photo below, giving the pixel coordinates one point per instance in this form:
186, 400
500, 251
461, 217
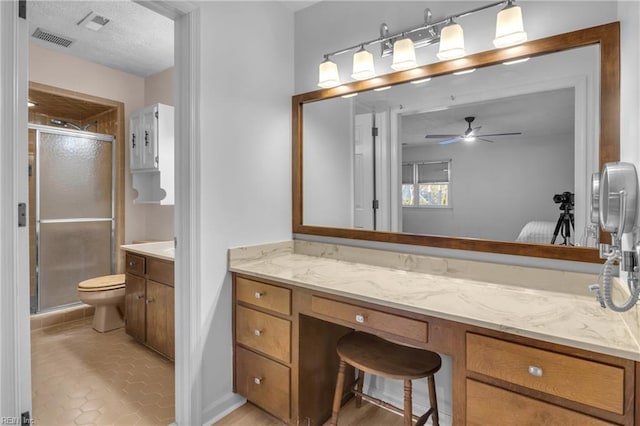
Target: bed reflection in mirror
504, 153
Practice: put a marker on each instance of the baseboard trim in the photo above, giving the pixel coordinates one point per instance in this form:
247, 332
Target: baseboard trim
221, 407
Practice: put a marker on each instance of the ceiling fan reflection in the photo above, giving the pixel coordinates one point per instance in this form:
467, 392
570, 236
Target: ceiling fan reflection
469, 135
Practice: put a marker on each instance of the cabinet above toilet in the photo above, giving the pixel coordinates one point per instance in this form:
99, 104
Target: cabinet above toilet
151, 154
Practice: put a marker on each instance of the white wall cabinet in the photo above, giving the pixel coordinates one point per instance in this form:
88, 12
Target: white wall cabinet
151, 154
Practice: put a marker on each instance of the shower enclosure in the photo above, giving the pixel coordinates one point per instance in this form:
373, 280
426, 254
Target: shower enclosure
72, 186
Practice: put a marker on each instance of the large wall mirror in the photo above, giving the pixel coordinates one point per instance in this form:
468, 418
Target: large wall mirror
496, 160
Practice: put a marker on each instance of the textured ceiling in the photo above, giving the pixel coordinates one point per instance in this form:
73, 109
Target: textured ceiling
136, 40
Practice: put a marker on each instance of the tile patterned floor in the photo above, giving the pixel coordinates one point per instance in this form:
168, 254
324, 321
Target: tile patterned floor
82, 377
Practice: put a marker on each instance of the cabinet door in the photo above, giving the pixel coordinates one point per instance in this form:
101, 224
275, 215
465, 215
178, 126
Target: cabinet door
135, 141
149, 137
160, 318
135, 307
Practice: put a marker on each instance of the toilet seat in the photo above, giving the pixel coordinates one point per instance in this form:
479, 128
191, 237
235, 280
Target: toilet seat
108, 282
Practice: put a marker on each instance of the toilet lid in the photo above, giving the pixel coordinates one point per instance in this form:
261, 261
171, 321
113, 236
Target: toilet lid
107, 282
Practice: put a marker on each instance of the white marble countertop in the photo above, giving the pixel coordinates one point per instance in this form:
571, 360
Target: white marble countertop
567, 319
161, 249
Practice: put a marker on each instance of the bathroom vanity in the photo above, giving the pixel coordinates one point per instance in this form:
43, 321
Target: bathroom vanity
149, 295
519, 352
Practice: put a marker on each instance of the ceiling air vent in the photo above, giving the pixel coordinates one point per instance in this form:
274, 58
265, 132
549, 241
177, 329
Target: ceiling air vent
45, 35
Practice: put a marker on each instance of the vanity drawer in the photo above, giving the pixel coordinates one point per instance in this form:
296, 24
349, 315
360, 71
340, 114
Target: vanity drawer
160, 271
488, 404
370, 318
263, 332
263, 382
135, 264
266, 296
576, 379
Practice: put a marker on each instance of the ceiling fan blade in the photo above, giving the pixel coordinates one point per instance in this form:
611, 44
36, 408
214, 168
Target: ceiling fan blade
441, 136
486, 140
474, 130
450, 140
501, 134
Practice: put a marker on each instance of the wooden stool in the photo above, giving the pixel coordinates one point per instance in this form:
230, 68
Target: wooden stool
380, 357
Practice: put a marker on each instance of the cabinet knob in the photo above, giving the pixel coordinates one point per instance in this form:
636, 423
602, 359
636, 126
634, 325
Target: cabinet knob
149, 301
360, 318
139, 296
257, 380
132, 263
535, 371
257, 332
259, 294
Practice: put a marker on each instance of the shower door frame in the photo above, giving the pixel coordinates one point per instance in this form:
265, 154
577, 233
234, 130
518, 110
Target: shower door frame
72, 133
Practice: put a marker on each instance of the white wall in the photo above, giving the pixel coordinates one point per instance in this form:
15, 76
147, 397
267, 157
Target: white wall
245, 125
327, 159
510, 194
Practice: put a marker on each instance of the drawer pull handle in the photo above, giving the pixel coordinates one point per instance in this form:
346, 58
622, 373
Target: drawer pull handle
139, 296
149, 301
257, 380
257, 332
258, 294
132, 263
360, 318
535, 371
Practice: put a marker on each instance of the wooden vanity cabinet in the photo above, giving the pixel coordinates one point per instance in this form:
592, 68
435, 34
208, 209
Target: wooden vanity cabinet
285, 361
262, 349
149, 302
508, 380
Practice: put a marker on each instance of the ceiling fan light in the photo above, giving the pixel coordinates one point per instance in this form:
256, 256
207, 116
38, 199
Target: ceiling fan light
328, 74
363, 65
404, 55
451, 42
509, 27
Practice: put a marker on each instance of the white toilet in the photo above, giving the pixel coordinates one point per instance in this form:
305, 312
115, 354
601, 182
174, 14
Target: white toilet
107, 295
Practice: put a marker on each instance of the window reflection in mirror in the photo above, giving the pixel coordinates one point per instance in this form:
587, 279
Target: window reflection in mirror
533, 135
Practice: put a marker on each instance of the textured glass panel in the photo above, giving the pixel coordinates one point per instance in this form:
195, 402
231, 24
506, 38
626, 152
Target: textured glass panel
70, 253
75, 177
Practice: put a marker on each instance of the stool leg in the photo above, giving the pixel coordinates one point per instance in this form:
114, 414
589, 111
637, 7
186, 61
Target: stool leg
433, 400
359, 383
408, 415
337, 396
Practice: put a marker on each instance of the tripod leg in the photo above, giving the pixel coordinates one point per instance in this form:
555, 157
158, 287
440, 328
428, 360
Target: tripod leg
555, 231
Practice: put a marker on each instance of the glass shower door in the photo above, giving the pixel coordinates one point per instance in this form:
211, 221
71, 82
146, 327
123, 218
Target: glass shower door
74, 212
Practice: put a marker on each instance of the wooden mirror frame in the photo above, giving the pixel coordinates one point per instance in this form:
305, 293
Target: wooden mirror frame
606, 36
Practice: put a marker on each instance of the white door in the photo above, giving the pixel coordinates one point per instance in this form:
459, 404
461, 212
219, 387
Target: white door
363, 171
15, 349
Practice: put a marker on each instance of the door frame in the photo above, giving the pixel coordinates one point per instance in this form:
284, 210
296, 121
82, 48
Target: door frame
15, 348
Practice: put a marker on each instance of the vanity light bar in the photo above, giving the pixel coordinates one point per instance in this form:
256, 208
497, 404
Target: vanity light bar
509, 32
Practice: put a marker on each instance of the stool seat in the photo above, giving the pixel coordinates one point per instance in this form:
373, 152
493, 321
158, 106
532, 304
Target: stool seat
377, 356
373, 355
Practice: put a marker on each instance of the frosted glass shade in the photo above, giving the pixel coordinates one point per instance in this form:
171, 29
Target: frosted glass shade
451, 42
509, 28
363, 65
404, 55
328, 74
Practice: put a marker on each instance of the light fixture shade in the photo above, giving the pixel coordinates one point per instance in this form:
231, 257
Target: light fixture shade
451, 42
328, 74
404, 55
363, 65
509, 27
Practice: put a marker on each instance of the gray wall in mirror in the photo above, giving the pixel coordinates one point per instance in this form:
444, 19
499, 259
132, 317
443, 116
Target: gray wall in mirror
557, 151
